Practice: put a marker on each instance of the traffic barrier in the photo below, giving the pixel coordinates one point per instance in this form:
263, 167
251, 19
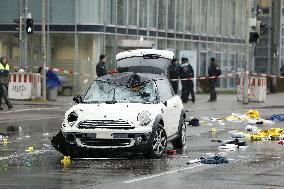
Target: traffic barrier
24, 86
256, 88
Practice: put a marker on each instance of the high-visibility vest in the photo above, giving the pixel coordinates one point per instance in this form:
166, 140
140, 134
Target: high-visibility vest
6, 67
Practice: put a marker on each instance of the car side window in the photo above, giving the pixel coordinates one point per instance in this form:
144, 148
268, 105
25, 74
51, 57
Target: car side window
164, 89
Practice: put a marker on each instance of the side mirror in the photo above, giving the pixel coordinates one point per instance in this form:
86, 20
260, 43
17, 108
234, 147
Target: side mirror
77, 99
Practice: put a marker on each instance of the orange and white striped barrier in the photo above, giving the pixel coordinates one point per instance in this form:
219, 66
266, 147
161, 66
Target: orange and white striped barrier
256, 88
24, 86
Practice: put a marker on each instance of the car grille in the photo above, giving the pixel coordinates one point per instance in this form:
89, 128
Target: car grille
106, 142
107, 124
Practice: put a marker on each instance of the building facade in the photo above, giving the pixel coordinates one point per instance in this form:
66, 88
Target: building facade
78, 31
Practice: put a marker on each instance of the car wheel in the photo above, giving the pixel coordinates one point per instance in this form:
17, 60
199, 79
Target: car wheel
181, 140
158, 143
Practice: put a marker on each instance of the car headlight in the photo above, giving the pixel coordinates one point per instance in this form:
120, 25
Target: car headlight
144, 118
72, 118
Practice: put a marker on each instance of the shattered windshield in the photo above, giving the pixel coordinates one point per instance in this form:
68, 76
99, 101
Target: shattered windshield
102, 91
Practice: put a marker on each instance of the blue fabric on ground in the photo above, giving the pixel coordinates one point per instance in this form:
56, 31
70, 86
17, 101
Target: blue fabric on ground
277, 117
214, 160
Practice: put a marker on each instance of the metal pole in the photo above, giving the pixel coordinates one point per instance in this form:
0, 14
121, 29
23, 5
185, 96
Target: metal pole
25, 35
20, 34
246, 68
43, 49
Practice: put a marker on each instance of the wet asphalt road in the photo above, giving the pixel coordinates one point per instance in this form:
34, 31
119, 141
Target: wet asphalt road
261, 165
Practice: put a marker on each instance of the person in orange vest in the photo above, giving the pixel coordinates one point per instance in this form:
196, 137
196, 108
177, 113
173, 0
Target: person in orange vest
4, 82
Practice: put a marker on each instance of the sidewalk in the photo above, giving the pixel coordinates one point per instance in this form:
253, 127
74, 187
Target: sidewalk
226, 104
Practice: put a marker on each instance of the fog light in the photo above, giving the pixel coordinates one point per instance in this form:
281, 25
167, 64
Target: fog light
138, 140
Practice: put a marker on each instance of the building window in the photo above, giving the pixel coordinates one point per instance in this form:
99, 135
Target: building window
152, 14
162, 13
211, 17
225, 17
203, 16
188, 14
238, 18
180, 15
232, 17
110, 12
143, 13
132, 12
122, 12
196, 16
171, 14
64, 11
218, 17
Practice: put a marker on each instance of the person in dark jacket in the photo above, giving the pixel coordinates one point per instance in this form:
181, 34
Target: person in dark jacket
4, 82
213, 71
186, 76
173, 74
101, 66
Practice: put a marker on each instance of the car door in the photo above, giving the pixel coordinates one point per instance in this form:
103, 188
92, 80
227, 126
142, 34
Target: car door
171, 108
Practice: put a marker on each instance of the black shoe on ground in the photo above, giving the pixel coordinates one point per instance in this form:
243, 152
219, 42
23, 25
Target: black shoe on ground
210, 100
10, 106
1, 108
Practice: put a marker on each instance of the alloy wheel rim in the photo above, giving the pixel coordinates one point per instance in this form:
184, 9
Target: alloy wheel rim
159, 142
183, 132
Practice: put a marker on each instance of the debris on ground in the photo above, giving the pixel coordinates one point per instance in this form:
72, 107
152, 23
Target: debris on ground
252, 128
268, 134
253, 114
194, 161
239, 134
277, 117
66, 161
214, 160
4, 141
171, 152
194, 122
280, 142
30, 149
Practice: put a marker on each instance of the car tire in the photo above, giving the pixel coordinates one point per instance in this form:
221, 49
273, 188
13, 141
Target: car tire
157, 143
181, 140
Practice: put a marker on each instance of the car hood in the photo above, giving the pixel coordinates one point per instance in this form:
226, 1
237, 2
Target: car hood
124, 111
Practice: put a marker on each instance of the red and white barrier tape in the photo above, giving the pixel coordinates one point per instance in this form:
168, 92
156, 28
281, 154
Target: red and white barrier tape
226, 75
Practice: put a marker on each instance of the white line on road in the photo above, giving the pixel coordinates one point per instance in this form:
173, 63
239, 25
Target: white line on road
29, 109
161, 174
31, 119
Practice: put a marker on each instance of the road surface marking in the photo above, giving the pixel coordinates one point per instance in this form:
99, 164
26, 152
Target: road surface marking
161, 174
30, 119
29, 109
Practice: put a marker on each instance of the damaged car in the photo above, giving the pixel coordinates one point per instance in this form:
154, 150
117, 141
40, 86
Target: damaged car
129, 111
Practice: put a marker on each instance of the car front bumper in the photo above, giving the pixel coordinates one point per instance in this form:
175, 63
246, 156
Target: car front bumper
85, 145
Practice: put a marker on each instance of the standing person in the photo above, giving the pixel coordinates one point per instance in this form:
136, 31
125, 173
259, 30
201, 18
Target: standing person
101, 66
173, 73
4, 82
186, 72
213, 71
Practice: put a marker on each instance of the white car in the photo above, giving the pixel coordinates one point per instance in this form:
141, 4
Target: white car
134, 112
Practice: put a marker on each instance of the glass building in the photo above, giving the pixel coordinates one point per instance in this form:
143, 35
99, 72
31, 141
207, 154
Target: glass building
78, 31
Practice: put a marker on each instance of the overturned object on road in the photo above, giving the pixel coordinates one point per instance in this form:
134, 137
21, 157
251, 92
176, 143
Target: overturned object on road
214, 160
268, 134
